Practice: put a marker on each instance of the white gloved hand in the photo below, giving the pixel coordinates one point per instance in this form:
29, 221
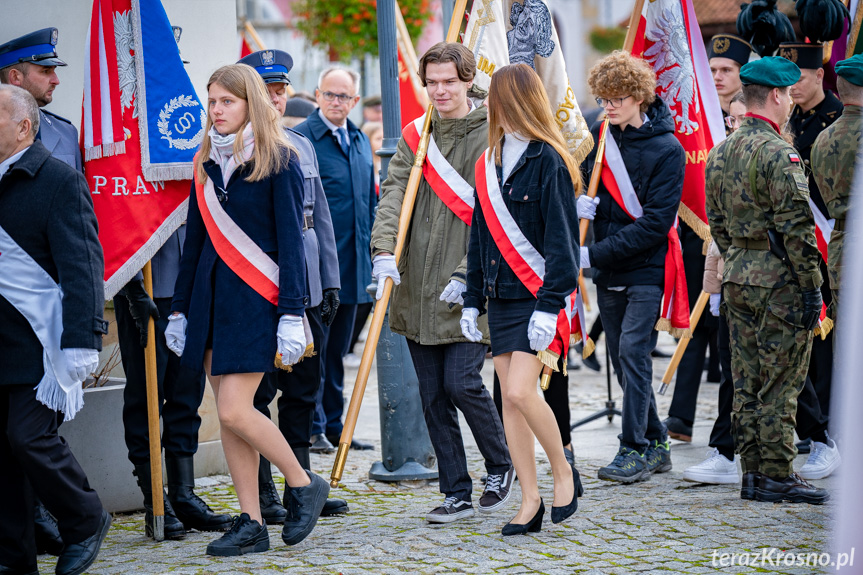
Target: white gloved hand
714, 304
584, 258
541, 330
453, 292
586, 206
468, 324
384, 267
175, 333
291, 338
81, 362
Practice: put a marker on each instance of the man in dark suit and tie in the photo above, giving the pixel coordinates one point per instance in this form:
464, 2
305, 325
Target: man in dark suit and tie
347, 173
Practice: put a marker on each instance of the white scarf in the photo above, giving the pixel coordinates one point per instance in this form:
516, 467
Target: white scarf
514, 147
222, 150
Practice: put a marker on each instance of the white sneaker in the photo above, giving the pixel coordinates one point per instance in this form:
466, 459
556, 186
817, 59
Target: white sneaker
716, 469
823, 460
351, 360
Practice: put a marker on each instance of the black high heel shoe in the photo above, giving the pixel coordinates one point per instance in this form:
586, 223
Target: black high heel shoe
532, 526
559, 514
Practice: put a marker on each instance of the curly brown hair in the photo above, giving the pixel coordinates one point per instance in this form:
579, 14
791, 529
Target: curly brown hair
621, 74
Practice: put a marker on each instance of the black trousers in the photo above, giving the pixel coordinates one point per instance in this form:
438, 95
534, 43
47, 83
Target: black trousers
556, 396
181, 389
299, 390
35, 460
449, 379
720, 436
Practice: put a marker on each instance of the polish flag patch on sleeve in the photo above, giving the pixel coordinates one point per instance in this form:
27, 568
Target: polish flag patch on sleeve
795, 159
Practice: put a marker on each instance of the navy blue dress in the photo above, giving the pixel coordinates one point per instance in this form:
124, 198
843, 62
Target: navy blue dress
224, 313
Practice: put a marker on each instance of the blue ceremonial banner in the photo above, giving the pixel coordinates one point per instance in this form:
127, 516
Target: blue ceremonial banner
170, 116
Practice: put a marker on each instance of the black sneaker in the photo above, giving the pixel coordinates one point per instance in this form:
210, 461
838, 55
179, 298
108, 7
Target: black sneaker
628, 466
452, 509
245, 536
304, 505
497, 491
658, 457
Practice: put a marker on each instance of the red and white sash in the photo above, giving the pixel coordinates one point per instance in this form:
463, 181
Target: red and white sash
674, 315
445, 181
523, 258
823, 231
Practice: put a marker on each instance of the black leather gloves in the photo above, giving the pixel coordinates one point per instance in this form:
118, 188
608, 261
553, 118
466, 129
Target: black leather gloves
141, 306
811, 308
329, 305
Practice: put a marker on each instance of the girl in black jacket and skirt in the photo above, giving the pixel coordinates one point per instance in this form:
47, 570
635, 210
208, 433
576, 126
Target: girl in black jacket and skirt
242, 286
523, 258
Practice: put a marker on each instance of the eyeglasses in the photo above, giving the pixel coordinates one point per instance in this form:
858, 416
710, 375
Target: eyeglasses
343, 98
615, 102
733, 122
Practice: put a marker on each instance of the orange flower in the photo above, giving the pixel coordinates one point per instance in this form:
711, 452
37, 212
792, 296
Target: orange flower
339, 18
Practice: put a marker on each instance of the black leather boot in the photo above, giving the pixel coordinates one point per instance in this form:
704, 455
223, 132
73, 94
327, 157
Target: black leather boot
272, 510
48, 538
173, 528
189, 508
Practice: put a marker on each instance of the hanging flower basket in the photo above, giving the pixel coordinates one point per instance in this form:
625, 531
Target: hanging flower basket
349, 28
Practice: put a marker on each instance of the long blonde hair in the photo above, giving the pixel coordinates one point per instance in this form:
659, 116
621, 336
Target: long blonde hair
517, 99
269, 156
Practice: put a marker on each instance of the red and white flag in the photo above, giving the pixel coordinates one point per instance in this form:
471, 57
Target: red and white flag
669, 39
823, 230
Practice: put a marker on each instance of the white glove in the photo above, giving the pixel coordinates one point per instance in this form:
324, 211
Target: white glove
586, 206
468, 324
453, 291
384, 267
291, 338
81, 362
175, 333
584, 258
541, 330
714, 304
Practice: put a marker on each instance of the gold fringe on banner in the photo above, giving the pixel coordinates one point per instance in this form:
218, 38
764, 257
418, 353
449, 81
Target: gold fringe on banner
310, 351
694, 222
664, 324
589, 348
825, 328
550, 359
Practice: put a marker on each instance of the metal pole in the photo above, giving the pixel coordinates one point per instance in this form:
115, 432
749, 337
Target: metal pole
406, 449
447, 6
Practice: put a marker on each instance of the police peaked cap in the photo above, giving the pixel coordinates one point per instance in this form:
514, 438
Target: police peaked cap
806, 56
851, 69
731, 47
771, 71
39, 47
272, 65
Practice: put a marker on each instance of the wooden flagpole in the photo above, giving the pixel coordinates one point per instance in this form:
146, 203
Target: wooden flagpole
683, 342
381, 306
597, 168
156, 486
409, 55
253, 35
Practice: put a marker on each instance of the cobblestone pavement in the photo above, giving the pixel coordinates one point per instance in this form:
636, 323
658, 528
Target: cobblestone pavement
663, 525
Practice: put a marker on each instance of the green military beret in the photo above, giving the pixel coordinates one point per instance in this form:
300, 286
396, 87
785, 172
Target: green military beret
770, 71
851, 69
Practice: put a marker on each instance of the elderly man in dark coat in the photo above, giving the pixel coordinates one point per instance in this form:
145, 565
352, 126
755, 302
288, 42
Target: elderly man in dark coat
347, 173
50, 336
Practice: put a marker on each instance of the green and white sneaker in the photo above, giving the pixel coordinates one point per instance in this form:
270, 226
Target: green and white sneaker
628, 466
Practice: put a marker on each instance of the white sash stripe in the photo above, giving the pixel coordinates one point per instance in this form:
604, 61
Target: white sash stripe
238, 238
440, 164
37, 297
618, 168
825, 226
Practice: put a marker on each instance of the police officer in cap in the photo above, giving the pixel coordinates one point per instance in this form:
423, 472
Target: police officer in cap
758, 210
814, 110
726, 53
300, 386
30, 62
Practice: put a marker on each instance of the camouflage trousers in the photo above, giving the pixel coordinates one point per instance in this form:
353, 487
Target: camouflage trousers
769, 356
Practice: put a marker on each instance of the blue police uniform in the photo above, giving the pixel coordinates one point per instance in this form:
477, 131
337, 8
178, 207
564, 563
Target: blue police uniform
58, 134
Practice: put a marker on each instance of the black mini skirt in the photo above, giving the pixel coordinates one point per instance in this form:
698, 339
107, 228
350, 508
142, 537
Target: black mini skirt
507, 324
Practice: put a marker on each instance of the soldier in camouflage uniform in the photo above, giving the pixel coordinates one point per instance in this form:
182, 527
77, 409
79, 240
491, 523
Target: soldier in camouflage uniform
833, 160
756, 189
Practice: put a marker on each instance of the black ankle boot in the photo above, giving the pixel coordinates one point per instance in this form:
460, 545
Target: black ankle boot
173, 528
272, 510
189, 508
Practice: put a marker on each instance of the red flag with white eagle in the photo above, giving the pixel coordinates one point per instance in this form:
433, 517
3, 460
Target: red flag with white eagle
136, 214
669, 39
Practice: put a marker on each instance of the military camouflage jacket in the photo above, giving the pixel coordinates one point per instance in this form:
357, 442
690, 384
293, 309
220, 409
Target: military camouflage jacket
833, 159
780, 201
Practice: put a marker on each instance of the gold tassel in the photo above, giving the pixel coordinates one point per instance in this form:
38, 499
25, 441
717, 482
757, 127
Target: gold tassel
825, 328
589, 348
548, 358
664, 324
694, 222
310, 351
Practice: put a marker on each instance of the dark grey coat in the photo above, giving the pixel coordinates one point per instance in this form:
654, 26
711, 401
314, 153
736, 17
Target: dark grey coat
60, 137
46, 208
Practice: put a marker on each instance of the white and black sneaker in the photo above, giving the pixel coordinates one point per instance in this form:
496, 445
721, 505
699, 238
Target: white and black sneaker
452, 509
497, 491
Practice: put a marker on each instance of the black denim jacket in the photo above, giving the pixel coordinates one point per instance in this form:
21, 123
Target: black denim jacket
540, 196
